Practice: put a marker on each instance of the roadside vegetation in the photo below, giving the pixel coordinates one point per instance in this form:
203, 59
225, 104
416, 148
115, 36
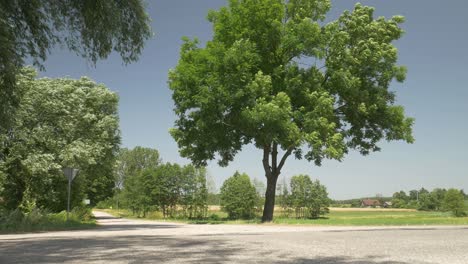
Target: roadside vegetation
36, 220
170, 192
249, 87
351, 217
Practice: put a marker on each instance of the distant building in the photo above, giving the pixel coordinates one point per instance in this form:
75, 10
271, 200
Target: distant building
387, 204
370, 203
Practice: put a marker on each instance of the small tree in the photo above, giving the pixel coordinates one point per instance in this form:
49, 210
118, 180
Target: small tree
317, 201
238, 196
454, 202
285, 199
300, 185
309, 198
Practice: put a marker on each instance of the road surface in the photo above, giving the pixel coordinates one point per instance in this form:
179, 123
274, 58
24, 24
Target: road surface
138, 241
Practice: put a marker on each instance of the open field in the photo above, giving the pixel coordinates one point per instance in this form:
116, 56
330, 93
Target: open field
279, 209
336, 217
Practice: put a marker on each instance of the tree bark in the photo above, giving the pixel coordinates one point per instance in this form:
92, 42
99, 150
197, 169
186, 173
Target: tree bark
271, 173
270, 196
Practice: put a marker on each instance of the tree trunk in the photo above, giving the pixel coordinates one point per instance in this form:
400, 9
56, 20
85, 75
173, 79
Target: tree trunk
272, 171
270, 195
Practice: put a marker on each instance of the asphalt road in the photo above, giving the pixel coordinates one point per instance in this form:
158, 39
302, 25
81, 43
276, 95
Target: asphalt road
131, 241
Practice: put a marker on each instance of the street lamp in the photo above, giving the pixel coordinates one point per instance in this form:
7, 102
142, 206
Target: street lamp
70, 174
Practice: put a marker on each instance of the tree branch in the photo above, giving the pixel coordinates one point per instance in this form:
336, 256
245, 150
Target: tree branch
283, 159
325, 79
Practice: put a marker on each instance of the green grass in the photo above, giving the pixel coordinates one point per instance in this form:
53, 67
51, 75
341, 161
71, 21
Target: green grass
379, 218
335, 218
39, 222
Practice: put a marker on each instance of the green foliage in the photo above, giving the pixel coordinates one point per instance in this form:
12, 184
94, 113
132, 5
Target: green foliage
249, 85
131, 162
284, 199
454, 202
399, 203
83, 213
213, 199
92, 29
40, 220
238, 196
413, 195
59, 123
309, 198
167, 187
401, 196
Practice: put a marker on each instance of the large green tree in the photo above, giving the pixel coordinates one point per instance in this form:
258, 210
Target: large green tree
91, 28
59, 123
276, 76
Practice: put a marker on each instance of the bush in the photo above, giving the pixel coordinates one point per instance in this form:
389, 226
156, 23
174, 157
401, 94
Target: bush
106, 204
82, 213
11, 221
454, 202
214, 217
238, 197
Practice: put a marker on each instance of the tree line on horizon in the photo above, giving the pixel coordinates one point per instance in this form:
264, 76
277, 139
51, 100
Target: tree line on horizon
439, 199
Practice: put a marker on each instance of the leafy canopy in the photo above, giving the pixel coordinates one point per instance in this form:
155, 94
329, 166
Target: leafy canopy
91, 28
59, 123
275, 75
130, 162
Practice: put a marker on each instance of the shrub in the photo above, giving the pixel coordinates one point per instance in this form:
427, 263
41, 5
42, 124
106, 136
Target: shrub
454, 202
238, 196
106, 204
82, 213
214, 217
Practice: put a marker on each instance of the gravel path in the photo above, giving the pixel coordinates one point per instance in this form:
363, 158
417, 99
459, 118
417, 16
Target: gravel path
137, 241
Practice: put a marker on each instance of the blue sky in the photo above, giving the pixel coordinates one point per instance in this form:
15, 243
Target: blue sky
435, 93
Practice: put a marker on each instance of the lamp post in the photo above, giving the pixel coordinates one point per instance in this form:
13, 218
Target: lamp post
70, 173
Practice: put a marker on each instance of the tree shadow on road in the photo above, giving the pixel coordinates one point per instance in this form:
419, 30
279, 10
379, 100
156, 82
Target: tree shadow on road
344, 260
154, 249
126, 249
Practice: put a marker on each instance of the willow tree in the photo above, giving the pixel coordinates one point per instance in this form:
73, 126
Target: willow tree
276, 76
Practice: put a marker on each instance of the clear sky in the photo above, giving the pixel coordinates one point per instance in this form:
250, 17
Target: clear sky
434, 49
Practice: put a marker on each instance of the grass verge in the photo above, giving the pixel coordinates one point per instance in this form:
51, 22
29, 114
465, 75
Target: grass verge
37, 221
334, 218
